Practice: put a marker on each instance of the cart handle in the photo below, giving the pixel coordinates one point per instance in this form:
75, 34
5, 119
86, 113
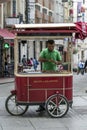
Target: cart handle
13, 91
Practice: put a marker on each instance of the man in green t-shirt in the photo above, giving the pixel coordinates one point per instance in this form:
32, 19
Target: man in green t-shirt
50, 59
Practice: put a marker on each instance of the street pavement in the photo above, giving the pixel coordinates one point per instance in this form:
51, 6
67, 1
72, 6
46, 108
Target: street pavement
75, 119
6, 80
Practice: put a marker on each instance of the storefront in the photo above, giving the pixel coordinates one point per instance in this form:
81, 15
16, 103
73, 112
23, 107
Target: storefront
7, 47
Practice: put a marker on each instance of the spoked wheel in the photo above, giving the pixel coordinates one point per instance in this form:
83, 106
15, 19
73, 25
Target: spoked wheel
13, 108
57, 105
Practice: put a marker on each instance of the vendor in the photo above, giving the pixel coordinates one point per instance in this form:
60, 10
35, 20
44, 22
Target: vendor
50, 57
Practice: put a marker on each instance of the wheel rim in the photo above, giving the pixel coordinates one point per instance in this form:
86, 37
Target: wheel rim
13, 108
57, 105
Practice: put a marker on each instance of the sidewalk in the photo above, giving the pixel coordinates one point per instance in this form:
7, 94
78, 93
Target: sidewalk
6, 80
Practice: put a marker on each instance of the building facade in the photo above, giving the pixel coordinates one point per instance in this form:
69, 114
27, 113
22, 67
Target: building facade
35, 11
80, 15
27, 11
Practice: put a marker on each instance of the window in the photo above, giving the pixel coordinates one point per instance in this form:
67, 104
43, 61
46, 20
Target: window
50, 13
14, 8
37, 7
44, 10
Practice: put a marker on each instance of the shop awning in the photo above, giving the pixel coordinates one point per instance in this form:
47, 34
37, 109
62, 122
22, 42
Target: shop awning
81, 28
6, 34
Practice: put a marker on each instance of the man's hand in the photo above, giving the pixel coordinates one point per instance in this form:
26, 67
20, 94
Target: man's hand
51, 60
55, 62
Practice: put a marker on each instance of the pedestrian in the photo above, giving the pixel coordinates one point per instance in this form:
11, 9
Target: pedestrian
31, 60
35, 63
29, 63
50, 58
81, 67
24, 61
6, 67
85, 65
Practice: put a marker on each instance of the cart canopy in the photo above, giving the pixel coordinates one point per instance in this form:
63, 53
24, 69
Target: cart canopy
60, 29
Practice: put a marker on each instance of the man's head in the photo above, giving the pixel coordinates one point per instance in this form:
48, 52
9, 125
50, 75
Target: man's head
50, 45
23, 55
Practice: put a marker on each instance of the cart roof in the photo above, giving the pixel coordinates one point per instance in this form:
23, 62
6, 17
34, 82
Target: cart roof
64, 29
47, 25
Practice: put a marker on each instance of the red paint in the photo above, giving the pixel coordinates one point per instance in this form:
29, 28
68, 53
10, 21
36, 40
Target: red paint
38, 89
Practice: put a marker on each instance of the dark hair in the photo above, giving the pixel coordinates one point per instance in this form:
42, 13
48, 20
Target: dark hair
23, 55
50, 41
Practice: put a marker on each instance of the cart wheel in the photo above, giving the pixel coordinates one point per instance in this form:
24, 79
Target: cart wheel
13, 108
57, 105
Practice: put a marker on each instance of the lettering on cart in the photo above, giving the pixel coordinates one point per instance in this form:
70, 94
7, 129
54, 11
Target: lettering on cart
45, 81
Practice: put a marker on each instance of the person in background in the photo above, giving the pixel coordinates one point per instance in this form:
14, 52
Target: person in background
6, 66
85, 65
24, 61
29, 63
31, 60
80, 67
50, 58
35, 63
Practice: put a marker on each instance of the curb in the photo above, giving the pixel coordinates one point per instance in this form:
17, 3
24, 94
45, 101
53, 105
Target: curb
7, 82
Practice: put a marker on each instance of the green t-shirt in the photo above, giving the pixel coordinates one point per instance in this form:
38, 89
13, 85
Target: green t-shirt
54, 55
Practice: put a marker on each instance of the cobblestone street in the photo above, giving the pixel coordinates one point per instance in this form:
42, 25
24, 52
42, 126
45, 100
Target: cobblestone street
75, 119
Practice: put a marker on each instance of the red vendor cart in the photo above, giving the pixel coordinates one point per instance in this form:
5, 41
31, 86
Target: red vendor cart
54, 89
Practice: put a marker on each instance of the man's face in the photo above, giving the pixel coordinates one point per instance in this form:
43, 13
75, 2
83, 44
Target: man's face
50, 47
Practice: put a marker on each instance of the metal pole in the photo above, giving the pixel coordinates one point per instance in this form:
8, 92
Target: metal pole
2, 16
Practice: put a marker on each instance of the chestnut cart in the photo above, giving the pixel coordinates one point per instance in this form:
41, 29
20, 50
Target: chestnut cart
54, 89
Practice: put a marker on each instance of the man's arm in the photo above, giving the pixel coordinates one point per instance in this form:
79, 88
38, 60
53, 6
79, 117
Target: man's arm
56, 62
43, 59
50, 60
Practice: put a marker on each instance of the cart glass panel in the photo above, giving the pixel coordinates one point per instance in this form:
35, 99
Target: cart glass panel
29, 45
